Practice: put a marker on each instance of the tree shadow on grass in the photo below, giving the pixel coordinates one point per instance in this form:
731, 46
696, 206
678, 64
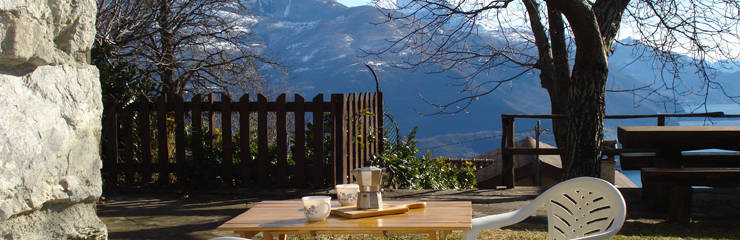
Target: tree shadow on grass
158, 207
187, 231
647, 229
168, 218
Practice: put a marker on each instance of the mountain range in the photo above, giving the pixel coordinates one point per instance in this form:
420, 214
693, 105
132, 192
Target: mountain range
322, 44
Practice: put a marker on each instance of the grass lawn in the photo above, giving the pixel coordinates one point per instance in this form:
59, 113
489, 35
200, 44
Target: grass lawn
640, 229
155, 216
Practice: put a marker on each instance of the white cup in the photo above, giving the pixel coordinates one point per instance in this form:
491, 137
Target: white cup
347, 194
316, 208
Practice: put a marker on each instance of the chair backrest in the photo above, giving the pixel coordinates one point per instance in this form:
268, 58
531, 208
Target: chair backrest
583, 208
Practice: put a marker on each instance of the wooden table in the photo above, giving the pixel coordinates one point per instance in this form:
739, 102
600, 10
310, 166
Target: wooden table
279, 218
667, 142
668, 174
680, 137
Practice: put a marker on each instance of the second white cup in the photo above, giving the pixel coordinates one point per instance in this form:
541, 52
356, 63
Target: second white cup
347, 194
316, 208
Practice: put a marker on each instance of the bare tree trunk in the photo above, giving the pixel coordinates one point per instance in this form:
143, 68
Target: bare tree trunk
586, 92
561, 76
559, 105
553, 63
167, 59
586, 121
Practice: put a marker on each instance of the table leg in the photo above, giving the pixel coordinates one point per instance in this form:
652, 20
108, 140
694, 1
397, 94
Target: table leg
270, 236
433, 235
680, 204
247, 234
443, 234
656, 194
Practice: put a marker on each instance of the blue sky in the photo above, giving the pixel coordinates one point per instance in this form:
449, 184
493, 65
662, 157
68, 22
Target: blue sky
353, 3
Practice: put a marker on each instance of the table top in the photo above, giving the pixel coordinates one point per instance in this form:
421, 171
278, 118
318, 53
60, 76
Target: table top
680, 137
288, 216
680, 128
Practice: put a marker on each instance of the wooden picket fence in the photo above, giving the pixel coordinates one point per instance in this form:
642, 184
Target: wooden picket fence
270, 153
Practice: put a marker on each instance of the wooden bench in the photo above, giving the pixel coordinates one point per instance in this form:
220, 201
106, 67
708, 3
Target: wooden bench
679, 182
711, 169
633, 159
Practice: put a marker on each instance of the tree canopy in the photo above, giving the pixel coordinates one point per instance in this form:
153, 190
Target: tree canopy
568, 42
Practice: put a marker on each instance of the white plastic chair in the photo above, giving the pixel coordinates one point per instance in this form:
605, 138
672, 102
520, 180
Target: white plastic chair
580, 208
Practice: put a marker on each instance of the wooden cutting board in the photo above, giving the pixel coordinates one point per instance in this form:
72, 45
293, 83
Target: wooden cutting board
353, 212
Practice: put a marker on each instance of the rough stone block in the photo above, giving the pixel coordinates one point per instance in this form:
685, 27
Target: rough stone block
41, 32
56, 221
49, 141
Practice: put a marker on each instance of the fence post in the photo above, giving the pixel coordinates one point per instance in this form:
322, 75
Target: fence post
164, 171
227, 165
318, 140
300, 141
507, 170
338, 145
351, 132
363, 120
262, 139
212, 120
282, 142
244, 139
180, 139
357, 130
661, 120
128, 143
381, 126
197, 131
145, 132
372, 126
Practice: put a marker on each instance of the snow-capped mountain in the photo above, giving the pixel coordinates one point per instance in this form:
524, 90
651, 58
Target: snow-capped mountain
321, 43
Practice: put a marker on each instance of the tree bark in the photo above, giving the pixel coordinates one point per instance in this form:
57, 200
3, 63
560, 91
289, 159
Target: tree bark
585, 122
561, 76
167, 45
552, 63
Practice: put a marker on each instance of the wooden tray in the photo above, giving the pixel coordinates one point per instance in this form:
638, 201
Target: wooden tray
353, 212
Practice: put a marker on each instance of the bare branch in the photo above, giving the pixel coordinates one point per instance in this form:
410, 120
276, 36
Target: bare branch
187, 45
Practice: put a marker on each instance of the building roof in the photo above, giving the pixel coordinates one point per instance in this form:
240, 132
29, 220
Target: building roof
551, 164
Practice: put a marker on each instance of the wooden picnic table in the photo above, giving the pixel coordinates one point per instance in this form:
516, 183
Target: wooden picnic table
668, 173
278, 218
680, 138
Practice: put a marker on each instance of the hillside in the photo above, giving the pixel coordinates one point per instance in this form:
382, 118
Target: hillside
321, 43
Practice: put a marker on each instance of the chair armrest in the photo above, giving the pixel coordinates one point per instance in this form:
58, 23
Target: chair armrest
497, 221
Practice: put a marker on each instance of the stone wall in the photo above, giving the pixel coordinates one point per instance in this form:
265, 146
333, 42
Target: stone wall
50, 113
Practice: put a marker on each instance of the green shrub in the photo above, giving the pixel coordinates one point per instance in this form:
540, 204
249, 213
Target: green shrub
408, 171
